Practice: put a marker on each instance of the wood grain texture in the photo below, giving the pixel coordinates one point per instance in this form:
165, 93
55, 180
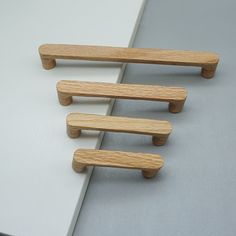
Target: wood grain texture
206, 60
148, 163
160, 130
176, 96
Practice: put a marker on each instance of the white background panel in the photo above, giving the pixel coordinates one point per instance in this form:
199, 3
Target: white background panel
39, 190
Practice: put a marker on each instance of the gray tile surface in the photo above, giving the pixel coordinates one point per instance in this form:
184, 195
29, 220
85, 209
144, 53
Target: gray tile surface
194, 194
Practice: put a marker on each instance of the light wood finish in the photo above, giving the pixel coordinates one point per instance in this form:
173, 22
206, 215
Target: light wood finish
148, 163
176, 96
160, 130
206, 60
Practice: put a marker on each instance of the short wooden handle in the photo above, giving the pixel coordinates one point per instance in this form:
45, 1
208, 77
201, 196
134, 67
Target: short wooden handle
206, 60
159, 130
149, 164
175, 96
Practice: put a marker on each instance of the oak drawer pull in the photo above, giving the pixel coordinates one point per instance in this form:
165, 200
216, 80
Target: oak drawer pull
176, 96
206, 60
159, 130
148, 163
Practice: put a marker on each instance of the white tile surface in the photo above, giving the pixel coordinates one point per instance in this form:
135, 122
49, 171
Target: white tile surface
40, 194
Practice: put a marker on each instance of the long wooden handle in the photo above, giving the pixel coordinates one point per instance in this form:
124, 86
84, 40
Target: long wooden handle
206, 60
148, 163
176, 96
159, 130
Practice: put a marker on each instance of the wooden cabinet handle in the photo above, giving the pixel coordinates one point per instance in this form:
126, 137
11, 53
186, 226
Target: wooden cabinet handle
148, 163
159, 130
174, 95
206, 60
